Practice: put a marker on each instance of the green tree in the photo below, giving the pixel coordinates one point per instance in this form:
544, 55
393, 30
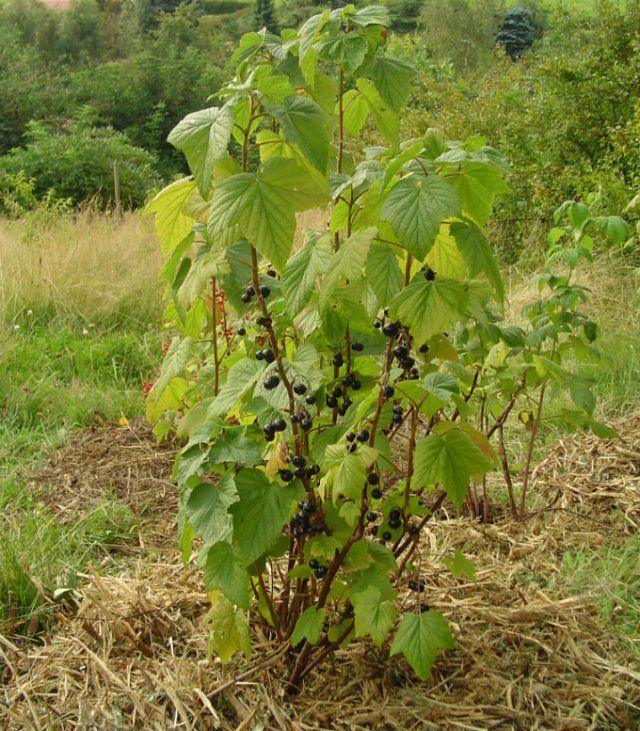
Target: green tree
265, 16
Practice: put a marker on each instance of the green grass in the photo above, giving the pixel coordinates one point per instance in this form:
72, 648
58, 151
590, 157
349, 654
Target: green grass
612, 576
54, 379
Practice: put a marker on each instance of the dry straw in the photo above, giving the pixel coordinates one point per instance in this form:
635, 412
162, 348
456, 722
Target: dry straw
528, 657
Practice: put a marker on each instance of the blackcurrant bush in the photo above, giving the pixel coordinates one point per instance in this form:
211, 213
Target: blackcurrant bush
306, 423
265, 291
279, 424
358, 347
362, 436
286, 475
373, 478
300, 389
376, 493
388, 391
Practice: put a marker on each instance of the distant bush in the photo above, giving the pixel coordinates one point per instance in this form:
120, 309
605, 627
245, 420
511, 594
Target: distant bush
76, 163
518, 33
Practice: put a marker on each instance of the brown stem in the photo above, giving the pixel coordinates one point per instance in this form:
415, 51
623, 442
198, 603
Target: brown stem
388, 359
330, 648
506, 472
269, 603
271, 660
214, 339
527, 464
411, 543
507, 409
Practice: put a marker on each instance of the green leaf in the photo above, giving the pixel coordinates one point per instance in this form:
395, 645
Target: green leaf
372, 15
383, 272
386, 119
445, 257
228, 628
478, 254
392, 78
449, 461
225, 571
460, 566
441, 385
429, 307
203, 137
303, 269
416, 206
261, 206
304, 124
242, 377
373, 616
173, 364
614, 228
478, 184
346, 265
419, 637
234, 447
262, 510
347, 50
207, 509
356, 111
173, 225
309, 626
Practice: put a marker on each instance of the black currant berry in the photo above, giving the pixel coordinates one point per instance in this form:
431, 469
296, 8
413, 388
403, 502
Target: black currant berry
386, 536
337, 392
377, 324
352, 447
298, 461
315, 469
350, 436
250, 291
358, 347
245, 298
286, 475
429, 275
268, 355
279, 424
374, 530
342, 410
271, 273
376, 493
408, 362
311, 399
241, 332
372, 516
269, 432
314, 563
300, 472
356, 385
390, 329
400, 351
320, 572
388, 391
362, 436
373, 478
424, 608
306, 423
271, 382
300, 389
338, 360
332, 402
265, 291
260, 355
424, 348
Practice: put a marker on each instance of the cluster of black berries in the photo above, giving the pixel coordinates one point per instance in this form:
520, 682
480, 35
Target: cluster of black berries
250, 292
319, 570
263, 321
333, 400
271, 382
302, 469
398, 414
302, 418
351, 381
374, 480
352, 438
406, 362
269, 430
395, 518
266, 355
306, 522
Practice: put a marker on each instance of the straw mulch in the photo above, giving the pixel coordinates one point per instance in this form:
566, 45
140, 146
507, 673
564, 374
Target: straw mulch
529, 656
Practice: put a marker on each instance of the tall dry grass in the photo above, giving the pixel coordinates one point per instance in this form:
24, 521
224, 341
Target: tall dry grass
89, 266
